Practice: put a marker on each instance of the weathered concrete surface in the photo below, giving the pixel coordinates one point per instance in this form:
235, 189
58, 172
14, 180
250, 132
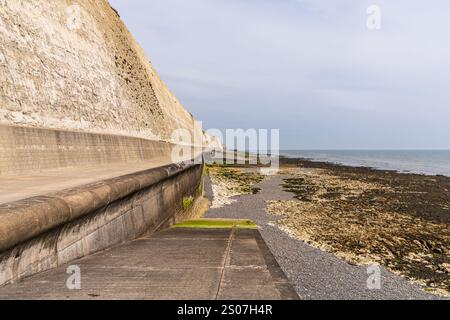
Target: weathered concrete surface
73, 65
19, 187
32, 150
77, 91
44, 232
179, 263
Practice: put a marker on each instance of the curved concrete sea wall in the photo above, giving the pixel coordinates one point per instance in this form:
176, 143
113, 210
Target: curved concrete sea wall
41, 233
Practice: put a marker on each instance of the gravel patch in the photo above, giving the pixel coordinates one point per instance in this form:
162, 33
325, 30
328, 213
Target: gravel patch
314, 274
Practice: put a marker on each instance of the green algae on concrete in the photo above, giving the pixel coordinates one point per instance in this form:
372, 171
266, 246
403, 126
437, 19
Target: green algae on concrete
187, 202
217, 224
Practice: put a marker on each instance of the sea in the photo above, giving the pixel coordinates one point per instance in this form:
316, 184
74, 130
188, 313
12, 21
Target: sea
429, 162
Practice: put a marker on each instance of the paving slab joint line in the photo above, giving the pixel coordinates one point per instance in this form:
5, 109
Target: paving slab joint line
226, 260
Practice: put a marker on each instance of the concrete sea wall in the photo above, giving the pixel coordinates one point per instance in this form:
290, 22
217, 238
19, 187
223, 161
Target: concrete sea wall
31, 150
41, 233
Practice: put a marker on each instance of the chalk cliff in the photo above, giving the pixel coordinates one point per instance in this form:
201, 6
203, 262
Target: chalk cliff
73, 65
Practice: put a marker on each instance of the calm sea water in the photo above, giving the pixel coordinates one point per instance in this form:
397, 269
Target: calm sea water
428, 162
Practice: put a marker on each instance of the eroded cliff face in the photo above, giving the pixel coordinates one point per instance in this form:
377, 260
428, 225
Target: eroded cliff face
72, 64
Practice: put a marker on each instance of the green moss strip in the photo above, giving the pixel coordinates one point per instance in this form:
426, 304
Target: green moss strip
217, 224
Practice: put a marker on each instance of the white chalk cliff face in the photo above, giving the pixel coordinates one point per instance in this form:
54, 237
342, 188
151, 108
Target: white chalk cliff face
73, 65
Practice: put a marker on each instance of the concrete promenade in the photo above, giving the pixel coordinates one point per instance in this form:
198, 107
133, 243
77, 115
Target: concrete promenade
19, 187
180, 263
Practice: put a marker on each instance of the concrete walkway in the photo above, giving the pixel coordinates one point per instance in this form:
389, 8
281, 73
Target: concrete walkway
19, 187
181, 263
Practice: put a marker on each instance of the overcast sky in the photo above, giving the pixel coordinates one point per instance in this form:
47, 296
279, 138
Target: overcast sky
310, 68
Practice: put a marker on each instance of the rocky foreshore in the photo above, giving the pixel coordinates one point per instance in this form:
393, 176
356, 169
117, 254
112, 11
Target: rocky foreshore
364, 216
